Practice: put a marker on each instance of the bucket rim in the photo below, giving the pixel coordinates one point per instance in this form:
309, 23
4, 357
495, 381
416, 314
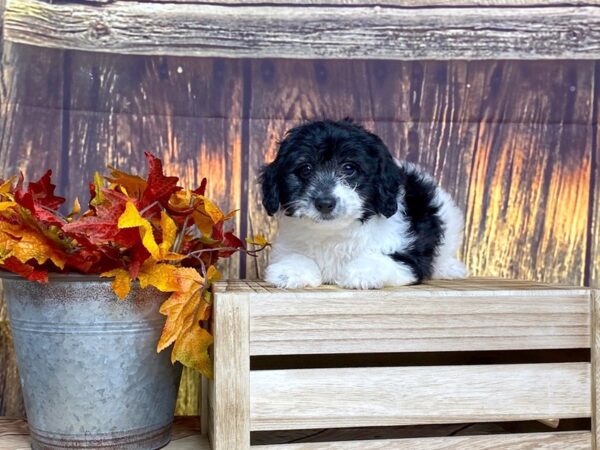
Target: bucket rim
62, 277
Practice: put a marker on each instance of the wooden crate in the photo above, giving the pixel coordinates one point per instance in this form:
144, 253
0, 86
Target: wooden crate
252, 319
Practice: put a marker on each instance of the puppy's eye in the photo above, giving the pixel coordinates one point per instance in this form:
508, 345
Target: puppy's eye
349, 169
304, 171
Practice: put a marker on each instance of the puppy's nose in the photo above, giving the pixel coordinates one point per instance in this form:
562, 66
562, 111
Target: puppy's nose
325, 204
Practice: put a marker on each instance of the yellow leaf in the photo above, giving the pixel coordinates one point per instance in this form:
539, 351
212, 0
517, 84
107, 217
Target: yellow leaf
161, 276
212, 274
212, 210
121, 284
258, 239
7, 205
98, 185
6, 186
191, 349
76, 209
169, 233
131, 218
203, 222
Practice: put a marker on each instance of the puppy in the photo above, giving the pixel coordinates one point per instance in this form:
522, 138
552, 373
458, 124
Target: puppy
350, 214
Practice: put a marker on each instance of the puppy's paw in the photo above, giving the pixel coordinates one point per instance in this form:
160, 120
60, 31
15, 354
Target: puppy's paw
293, 274
361, 278
449, 269
375, 272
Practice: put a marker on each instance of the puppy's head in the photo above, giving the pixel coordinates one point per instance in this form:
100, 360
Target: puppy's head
331, 172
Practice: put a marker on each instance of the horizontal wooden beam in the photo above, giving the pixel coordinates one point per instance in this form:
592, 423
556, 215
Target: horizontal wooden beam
409, 323
389, 396
531, 31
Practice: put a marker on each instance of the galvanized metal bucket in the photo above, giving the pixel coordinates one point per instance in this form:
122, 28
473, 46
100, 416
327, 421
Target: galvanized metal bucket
90, 373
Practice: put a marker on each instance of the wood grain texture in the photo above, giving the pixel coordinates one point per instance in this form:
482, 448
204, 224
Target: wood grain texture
581, 440
593, 261
230, 389
595, 355
518, 161
399, 3
462, 315
529, 183
317, 398
327, 32
31, 96
406, 323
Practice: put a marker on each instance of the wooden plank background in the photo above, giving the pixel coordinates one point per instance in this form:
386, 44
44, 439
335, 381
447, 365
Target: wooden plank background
517, 143
327, 29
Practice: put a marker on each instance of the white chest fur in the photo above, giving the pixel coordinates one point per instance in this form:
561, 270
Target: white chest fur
333, 247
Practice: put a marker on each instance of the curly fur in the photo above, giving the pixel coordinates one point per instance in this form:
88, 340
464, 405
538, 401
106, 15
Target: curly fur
350, 214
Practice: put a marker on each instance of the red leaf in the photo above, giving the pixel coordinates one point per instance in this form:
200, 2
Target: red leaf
101, 228
139, 254
159, 187
19, 185
43, 192
201, 190
26, 200
232, 241
13, 265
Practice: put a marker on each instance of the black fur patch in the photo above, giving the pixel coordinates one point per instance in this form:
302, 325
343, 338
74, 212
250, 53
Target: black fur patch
425, 226
325, 146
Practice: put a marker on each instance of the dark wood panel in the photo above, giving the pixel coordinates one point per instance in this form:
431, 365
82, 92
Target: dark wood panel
593, 261
184, 110
512, 140
475, 91
528, 202
31, 96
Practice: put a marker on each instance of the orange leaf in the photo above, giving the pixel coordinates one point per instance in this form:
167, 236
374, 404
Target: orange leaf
133, 184
32, 245
191, 349
121, 284
161, 276
181, 306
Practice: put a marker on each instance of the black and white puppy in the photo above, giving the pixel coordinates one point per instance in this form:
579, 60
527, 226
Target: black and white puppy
350, 214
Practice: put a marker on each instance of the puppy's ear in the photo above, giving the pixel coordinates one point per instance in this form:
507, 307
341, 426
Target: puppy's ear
270, 191
388, 186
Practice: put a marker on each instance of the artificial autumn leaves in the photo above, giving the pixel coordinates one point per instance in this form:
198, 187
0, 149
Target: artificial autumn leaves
150, 230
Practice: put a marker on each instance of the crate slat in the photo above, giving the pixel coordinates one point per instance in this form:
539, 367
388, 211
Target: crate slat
354, 397
537, 441
472, 315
